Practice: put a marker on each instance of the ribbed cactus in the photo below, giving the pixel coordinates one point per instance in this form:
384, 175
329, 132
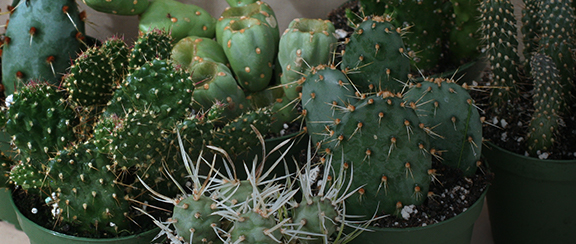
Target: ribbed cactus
178, 19
306, 43
500, 34
446, 107
41, 39
251, 9
119, 7
375, 56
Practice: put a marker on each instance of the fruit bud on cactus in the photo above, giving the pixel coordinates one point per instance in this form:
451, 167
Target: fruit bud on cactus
41, 39
178, 19
306, 43
375, 56
119, 7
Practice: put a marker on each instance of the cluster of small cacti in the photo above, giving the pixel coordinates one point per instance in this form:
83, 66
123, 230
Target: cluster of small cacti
110, 123
549, 37
304, 208
439, 31
386, 127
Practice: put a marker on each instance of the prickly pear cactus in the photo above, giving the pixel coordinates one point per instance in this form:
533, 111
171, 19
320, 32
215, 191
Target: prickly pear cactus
239, 3
385, 145
376, 57
252, 9
178, 19
191, 50
306, 43
91, 80
325, 93
158, 87
252, 227
154, 44
215, 83
41, 39
250, 47
40, 122
464, 36
499, 30
456, 137
119, 7
87, 192
549, 102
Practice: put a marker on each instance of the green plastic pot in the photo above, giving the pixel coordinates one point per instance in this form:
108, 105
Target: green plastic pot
40, 235
457, 230
6, 209
531, 200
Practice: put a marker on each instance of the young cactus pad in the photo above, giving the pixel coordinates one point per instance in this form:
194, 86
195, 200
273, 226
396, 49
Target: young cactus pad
376, 57
305, 44
190, 50
179, 19
119, 7
385, 144
446, 107
41, 39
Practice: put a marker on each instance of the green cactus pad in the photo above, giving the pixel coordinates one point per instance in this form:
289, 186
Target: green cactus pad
251, 228
87, 193
457, 129
376, 56
306, 43
215, 83
190, 50
119, 7
154, 44
250, 49
383, 143
325, 93
179, 19
251, 9
41, 39
318, 216
40, 122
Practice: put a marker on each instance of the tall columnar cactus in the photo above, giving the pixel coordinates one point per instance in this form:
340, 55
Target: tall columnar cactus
530, 27
41, 39
375, 56
178, 19
558, 37
446, 107
40, 122
500, 35
549, 103
119, 7
250, 47
306, 43
191, 50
